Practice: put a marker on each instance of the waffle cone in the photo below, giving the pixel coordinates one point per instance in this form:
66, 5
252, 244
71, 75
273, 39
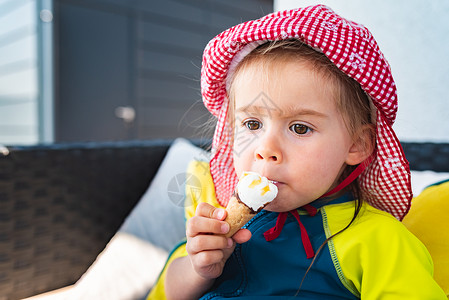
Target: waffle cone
238, 215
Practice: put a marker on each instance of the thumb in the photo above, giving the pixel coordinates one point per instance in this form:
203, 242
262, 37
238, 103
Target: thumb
242, 236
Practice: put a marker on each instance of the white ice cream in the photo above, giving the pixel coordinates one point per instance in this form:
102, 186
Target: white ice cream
256, 191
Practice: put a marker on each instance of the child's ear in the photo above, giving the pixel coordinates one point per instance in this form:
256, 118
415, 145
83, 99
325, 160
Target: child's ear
363, 145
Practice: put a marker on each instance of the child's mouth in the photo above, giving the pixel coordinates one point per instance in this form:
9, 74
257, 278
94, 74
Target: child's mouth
276, 183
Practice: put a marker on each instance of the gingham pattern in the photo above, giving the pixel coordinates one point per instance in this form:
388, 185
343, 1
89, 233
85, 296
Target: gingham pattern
351, 47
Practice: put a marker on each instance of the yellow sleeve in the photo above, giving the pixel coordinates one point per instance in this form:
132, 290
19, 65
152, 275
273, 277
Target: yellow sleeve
199, 188
158, 290
378, 258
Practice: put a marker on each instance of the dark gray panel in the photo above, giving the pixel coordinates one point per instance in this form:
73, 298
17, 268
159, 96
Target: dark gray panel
180, 37
171, 88
141, 54
94, 74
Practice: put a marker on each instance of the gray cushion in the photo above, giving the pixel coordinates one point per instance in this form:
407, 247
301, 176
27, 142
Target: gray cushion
159, 215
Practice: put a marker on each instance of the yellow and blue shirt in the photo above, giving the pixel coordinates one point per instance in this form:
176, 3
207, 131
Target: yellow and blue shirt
374, 258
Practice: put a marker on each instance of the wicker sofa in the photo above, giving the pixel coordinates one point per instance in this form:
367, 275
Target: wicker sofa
61, 204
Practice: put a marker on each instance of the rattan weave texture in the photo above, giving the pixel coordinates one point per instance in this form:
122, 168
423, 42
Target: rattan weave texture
60, 205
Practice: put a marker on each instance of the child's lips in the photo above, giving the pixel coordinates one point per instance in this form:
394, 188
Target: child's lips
276, 183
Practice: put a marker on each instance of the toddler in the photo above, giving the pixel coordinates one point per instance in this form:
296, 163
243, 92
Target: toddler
306, 99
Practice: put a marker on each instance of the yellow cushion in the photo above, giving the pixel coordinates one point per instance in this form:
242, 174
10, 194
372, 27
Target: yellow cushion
428, 219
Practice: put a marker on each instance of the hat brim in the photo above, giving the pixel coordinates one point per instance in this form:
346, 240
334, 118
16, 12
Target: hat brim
386, 182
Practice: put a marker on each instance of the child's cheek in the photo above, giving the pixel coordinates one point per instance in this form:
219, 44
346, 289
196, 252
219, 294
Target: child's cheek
242, 160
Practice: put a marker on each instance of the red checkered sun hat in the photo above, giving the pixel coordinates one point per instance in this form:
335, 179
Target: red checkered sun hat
385, 182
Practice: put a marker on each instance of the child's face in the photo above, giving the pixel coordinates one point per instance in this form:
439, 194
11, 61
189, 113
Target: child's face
293, 133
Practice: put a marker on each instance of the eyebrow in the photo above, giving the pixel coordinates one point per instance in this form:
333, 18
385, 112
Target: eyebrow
287, 113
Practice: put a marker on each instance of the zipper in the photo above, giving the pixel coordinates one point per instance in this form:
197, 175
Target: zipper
255, 218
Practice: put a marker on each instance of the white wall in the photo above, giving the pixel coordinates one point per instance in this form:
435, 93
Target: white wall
18, 72
26, 72
414, 36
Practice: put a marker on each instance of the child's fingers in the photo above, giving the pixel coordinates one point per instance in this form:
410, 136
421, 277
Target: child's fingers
242, 236
208, 242
208, 264
202, 225
209, 211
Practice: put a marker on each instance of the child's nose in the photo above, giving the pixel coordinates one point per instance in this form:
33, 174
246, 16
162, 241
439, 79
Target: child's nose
269, 150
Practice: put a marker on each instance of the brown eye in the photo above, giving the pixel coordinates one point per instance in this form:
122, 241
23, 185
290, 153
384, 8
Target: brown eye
253, 125
299, 129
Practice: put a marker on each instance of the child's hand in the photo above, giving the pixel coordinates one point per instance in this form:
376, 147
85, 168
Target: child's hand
208, 249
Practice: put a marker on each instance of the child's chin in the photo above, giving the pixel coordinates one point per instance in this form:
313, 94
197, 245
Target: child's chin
282, 204
275, 206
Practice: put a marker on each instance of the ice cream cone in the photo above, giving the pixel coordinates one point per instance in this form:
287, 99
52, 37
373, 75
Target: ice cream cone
238, 215
253, 193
